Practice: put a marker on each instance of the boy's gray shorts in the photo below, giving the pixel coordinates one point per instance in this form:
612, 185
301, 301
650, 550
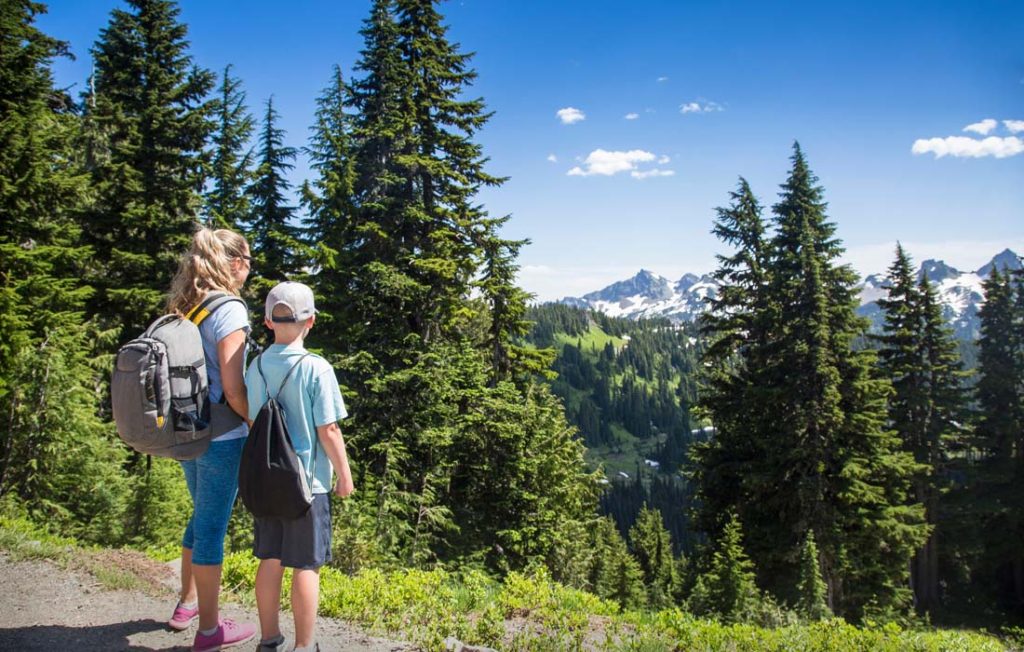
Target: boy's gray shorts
303, 543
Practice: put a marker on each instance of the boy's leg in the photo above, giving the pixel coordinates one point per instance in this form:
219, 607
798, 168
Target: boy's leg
268, 596
305, 601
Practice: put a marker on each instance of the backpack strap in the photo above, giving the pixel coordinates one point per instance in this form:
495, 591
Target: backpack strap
212, 301
280, 388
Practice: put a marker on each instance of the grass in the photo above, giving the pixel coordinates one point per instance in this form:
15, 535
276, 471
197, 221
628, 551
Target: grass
115, 570
592, 342
524, 611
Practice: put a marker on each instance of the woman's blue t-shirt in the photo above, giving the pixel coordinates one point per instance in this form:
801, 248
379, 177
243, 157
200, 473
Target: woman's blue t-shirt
227, 319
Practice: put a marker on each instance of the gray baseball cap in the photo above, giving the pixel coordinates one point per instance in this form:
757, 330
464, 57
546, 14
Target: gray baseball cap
296, 297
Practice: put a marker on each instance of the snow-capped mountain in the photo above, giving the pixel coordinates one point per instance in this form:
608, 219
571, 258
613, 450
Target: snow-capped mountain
650, 295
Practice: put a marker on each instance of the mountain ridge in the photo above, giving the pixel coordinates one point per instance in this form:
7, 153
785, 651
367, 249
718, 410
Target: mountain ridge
648, 295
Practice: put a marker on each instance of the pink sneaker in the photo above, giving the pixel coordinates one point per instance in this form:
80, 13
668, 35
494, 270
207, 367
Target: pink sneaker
228, 634
183, 617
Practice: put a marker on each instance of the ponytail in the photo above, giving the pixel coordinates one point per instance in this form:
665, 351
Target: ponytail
205, 268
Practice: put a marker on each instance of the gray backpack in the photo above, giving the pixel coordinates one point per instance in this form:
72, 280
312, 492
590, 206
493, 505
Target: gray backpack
160, 391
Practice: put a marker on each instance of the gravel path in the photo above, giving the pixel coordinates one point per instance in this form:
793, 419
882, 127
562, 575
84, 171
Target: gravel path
43, 607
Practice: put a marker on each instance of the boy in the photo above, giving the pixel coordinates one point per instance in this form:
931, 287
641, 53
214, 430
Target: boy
312, 407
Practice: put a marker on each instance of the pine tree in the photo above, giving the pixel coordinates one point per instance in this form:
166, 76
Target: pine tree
652, 547
274, 236
56, 456
615, 574
846, 472
727, 590
226, 201
811, 602
944, 412
997, 494
801, 440
425, 358
150, 121
329, 204
737, 325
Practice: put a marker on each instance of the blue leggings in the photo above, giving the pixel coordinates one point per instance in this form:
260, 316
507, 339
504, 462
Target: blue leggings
212, 480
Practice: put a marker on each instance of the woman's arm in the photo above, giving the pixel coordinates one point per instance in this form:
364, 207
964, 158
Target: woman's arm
231, 355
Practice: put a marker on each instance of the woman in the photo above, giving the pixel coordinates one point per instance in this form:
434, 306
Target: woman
217, 261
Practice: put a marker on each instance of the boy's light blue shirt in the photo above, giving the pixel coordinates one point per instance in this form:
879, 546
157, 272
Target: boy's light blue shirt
309, 399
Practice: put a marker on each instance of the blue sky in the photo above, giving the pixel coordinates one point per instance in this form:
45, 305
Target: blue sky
622, 125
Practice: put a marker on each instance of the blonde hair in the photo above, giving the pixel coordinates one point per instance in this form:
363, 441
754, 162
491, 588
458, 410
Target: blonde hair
205, 268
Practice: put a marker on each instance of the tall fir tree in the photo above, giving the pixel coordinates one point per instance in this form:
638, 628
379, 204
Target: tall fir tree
56, 457
998, 494
946, 408
227, 204
329, 203
274, 234
815, 454
150, 120
737, 326
399, 224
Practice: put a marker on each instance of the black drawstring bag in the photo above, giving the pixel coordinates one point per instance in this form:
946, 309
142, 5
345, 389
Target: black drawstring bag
272, 482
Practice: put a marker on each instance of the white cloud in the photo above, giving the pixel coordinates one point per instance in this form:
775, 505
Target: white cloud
962, 146
698, 107
663, 160
643, 174
552, 158
662, 79
983, 127
605, 163
1014, 126
569, 115
632, 116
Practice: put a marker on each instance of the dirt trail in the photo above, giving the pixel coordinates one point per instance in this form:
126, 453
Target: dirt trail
43, 607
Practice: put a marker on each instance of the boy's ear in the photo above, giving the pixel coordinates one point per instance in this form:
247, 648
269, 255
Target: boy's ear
311, 321
268, 323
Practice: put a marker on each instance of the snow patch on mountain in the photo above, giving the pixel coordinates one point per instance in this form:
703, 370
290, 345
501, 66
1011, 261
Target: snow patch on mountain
648, 295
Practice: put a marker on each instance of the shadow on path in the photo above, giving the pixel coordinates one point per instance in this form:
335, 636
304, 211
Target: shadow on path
86, 637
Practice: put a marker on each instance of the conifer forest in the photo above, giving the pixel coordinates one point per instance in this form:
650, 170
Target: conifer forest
775, 457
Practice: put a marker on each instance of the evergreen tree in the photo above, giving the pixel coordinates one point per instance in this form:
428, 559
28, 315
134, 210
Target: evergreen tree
801, 441
811, 602
226, 201
737, 325
727, 590
56, 456
849, 475
424, 357
997, 495
652, 547
615, 575
274, 237
329, 204
150, 121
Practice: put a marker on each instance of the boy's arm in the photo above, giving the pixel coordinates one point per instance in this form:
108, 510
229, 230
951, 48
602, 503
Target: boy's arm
334, 445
